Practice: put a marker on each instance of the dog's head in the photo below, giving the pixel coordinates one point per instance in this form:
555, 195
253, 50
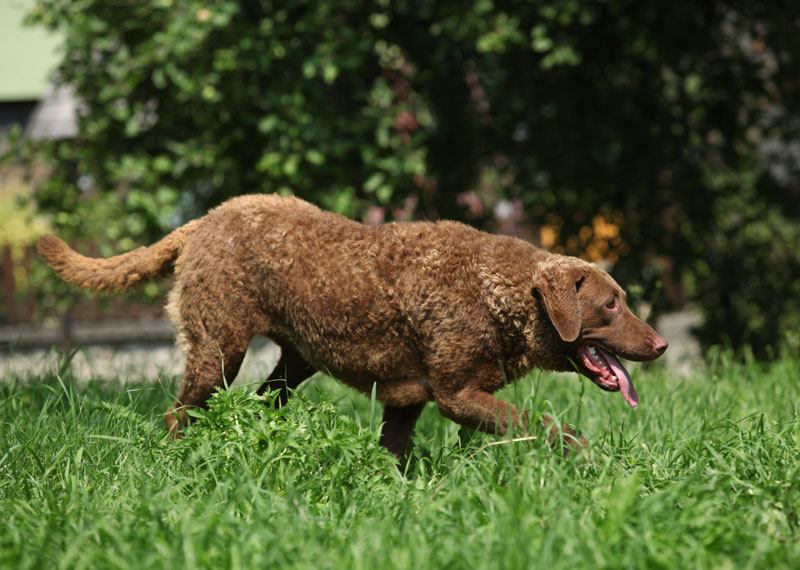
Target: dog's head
590, 314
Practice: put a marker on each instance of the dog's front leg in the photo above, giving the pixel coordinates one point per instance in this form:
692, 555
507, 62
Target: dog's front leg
476, 408
567, 436
397, 427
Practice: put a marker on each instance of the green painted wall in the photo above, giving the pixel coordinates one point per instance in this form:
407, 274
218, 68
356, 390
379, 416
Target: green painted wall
28, 55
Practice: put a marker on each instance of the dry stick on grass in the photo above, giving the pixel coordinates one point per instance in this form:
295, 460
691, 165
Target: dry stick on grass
477, 451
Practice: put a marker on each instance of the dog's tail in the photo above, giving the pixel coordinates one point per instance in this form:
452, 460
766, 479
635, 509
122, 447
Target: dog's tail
118, 272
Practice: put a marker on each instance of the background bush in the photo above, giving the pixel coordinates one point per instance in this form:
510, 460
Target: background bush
659, 136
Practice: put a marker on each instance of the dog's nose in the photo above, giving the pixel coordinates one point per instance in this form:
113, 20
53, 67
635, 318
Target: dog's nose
660, 345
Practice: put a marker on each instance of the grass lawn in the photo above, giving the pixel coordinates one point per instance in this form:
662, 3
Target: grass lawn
704, 474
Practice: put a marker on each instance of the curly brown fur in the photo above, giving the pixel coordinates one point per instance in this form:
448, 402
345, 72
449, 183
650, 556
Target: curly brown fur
424, 311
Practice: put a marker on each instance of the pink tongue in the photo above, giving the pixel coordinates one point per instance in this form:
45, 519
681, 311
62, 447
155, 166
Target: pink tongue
625, 384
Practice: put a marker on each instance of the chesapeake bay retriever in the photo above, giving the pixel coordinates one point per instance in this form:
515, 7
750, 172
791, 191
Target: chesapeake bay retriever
424, 311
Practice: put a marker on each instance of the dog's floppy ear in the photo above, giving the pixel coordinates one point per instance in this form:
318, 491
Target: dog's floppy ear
558, 289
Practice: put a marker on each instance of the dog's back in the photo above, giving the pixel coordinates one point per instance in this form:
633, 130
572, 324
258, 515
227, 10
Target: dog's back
361, 302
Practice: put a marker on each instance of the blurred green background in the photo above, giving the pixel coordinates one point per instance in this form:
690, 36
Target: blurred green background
660, 139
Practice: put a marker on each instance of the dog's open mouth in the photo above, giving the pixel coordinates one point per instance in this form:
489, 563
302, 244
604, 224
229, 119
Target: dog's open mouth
605, 370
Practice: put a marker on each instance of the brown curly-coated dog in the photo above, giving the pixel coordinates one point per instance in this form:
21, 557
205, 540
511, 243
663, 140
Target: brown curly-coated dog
424, 311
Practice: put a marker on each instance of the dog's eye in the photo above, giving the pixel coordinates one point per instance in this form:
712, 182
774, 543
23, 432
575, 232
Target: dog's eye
611, 305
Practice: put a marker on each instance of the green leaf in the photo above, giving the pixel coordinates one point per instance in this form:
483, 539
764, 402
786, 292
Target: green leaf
290, 165
162, 163
329, 72
309, 69
267, 124
384, 193
374, 181
315, 157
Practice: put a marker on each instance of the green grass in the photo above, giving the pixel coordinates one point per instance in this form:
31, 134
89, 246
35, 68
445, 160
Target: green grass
704, 474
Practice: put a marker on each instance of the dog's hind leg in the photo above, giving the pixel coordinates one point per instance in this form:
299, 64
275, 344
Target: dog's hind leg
290, 371
215, 333
209, 366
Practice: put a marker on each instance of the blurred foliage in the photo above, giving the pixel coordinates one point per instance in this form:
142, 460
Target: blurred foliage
22, 224
653, 116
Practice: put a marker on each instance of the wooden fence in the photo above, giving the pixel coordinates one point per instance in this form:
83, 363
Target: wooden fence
23, 305
19, 307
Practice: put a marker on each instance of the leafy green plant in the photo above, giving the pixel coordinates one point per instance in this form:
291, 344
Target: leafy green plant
241, 436
656, 115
